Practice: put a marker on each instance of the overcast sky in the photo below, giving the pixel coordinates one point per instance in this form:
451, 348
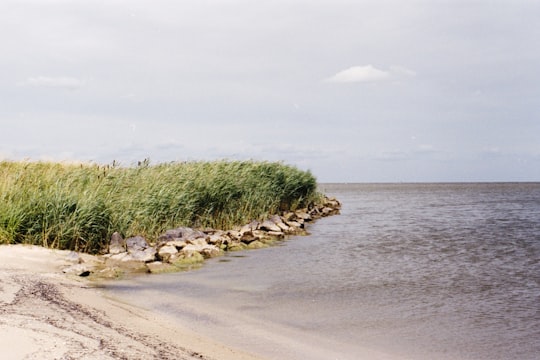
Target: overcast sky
355, 91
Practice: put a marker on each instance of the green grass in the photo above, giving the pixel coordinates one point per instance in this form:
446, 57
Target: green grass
78, 207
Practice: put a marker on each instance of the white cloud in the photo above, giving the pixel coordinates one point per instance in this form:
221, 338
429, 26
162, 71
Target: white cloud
59, 82
366, 73
369, 73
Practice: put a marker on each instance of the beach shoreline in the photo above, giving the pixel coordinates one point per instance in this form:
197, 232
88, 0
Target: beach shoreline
46, 314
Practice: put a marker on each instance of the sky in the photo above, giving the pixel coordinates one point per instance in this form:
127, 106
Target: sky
354, 91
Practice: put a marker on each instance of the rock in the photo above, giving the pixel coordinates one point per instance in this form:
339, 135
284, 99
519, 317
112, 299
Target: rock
315, 213
254, 225
146, 255
283, 226
168, 236
186, 246
257, 245
117, 244
205, 250
74, 257
248, 237
136, 243
294, 224
289, 216
276, 219
302, 214
131, 263
184, 233
139, 250
77, 269
197, 241
185, 259
269, 225
236, 246
158, 267
165, 252
218, 238
234, 235
332, 202
327, 211
193, 235
210, 251
120, 256
178, 243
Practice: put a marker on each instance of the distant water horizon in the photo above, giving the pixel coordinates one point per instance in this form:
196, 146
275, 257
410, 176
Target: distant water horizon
411, 270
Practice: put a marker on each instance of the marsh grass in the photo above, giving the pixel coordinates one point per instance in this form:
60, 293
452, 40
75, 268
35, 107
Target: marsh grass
78, 206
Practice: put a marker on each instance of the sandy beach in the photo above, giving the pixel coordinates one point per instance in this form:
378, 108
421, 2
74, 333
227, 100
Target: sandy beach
45, 314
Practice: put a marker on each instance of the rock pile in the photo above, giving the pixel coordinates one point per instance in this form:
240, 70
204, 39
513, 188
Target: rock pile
184, 247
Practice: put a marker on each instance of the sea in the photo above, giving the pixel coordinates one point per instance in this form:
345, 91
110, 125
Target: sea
406, 271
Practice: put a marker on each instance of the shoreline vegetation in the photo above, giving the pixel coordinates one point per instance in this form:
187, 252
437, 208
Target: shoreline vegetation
82, 219
155, 218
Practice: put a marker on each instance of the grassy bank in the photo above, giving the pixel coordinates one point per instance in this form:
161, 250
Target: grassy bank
78, 207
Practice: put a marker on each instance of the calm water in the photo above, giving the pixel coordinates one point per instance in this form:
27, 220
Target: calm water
421, 271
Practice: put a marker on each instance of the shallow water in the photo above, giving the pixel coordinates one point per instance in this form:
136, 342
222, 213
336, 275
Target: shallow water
419, 271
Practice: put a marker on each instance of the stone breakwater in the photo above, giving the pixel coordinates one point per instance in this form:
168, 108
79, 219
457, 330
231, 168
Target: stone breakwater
185, 247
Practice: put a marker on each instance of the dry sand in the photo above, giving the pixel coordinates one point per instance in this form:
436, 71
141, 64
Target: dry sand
45, 314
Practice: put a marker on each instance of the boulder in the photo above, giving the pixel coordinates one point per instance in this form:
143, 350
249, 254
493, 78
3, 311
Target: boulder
234, 234
165, 252
254, 225
184, 233
210, 251
248, 237
289, 216
332, 202
257, 245
197, 241
303, 214
117, 244
168, 236
276, 219
283, 226
183, 259
218, 238
327, 211
236, 246
136, 243
294, 224
119, 257
146, 255
269, 225
178, 243
193, 235
206, 250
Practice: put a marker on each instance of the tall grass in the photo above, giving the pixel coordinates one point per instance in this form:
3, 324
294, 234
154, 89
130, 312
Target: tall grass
78, 207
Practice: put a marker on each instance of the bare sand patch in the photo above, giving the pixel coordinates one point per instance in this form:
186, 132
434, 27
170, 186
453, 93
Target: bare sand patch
45, 314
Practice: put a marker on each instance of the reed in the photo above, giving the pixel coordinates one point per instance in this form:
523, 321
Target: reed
78, 206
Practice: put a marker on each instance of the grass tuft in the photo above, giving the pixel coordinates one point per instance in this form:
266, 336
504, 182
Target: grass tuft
78, 206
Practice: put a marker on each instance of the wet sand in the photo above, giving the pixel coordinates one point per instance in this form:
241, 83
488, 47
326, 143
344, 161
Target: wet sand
45, 314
